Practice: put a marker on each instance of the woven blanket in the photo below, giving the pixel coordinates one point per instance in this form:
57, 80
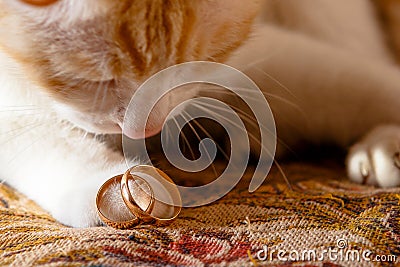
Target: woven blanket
323, 221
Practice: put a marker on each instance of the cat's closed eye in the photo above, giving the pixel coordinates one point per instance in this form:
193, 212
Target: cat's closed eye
39, 2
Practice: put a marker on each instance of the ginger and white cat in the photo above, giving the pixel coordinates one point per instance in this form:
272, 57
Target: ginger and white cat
70, 67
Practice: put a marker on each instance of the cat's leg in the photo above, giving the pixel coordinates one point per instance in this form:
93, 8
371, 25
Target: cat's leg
320, 93
376, 158
352, 26
58, 167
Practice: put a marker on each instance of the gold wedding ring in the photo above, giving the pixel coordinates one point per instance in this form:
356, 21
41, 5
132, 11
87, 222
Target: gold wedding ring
137, 194
111, 208
167, 199
144, 194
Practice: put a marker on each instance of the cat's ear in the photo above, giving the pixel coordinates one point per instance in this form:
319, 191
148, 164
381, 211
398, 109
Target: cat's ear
225, 24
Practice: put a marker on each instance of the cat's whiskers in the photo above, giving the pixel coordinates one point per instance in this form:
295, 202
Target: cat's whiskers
20, 153
19, 108
183, 115
287, 121
250, 120
25, 129
185, 139
253, 137
228, 111
32, 116
255, 98
284, 87
31, 112
213, 113
20, 128
266, 58
209, 136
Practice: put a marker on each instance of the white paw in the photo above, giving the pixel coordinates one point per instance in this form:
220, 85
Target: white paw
75, 203
77, 207
375, 160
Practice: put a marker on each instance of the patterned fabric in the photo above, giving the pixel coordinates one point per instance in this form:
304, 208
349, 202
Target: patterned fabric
322, 212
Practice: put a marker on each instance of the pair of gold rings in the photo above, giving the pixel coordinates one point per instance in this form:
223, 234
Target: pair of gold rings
144, 194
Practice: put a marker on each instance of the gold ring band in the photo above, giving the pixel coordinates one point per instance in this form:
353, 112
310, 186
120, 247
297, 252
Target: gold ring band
121, 218
163, 212
142, 203
143, 194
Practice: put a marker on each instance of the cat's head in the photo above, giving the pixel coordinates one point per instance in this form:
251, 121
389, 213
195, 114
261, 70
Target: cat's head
91, 55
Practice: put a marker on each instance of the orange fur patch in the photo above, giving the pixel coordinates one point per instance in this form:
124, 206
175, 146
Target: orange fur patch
134, 40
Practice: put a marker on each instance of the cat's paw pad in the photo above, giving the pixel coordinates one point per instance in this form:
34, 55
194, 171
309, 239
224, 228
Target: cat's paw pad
375, 160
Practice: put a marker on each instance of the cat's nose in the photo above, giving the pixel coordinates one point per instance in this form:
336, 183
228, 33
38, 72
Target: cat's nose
137, 125
133, 133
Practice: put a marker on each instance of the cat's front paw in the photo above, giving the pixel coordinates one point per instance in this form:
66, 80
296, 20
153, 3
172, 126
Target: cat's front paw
75, 204
375, 159
76, 207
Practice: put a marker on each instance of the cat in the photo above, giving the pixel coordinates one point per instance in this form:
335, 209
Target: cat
69, 69
337, 69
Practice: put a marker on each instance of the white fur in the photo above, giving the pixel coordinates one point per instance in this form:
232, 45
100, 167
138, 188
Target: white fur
55, 164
